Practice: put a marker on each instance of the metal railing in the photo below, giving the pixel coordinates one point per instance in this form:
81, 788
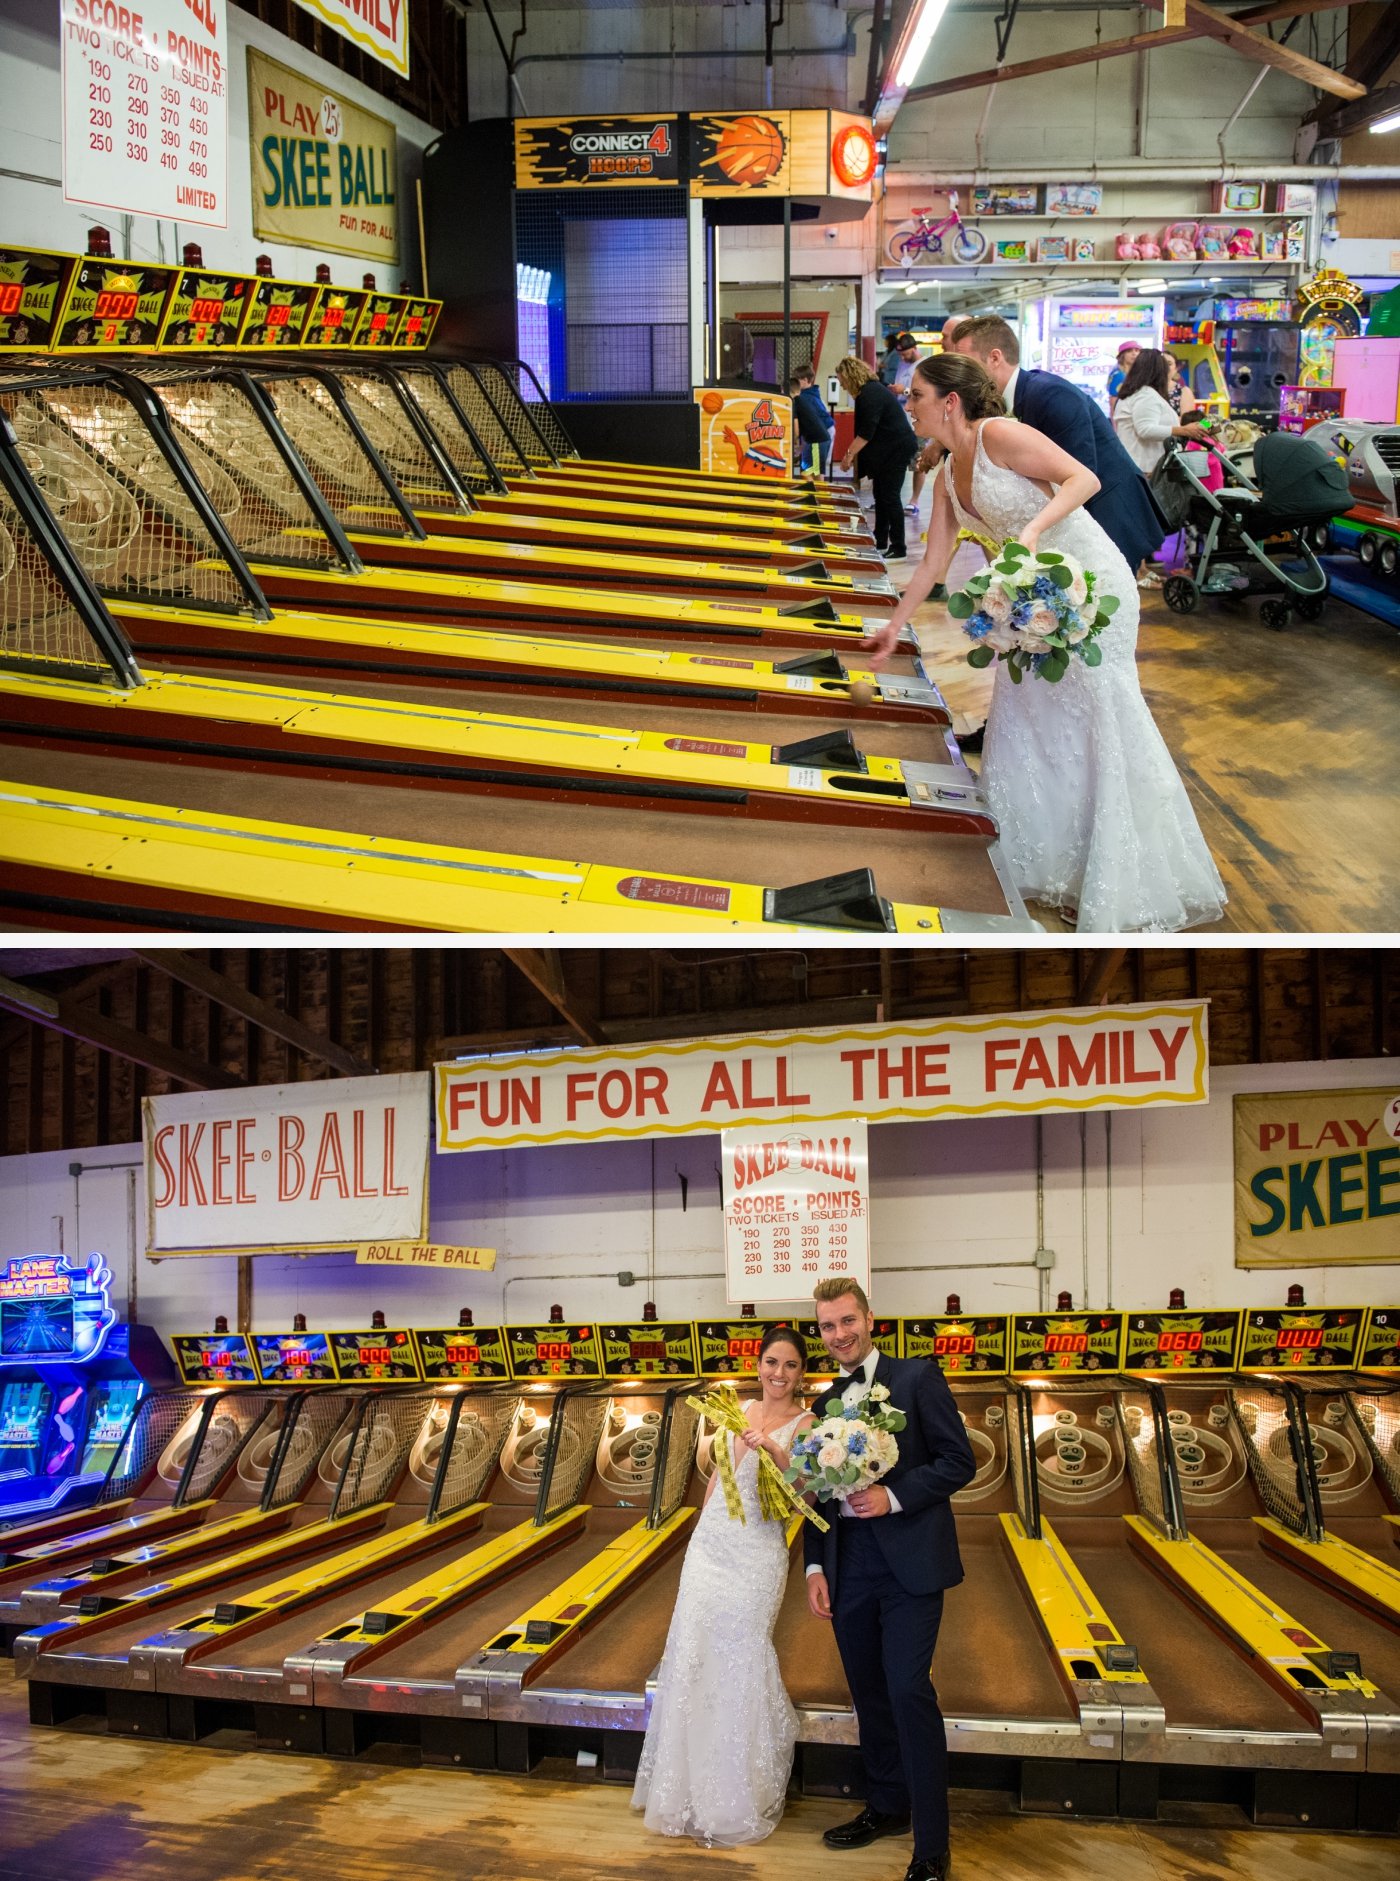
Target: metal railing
443, 415
395, 428
229, 1423
1273, 1428
309, 1428
504, 395
575, 1429
154, 1423
486, 422
1374, 1411
352, 477
1020, 1450
675, 1453
478, 1421
385, 1426
546, 419
1145, 1433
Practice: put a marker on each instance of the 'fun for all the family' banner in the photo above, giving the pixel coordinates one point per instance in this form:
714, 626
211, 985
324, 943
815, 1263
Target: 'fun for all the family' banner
1317, 1177
378, 27
325, 173
287, 1167
1106, 1058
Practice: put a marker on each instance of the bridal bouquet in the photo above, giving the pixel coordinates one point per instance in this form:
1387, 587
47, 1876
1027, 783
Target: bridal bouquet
850, 1448
777, 1500
1035, 609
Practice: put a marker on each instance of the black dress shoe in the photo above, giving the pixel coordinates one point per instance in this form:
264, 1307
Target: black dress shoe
867, 1827
936, 1868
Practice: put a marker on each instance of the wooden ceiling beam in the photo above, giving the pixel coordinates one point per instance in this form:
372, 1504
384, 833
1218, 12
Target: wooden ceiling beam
1226, 30
1342, 120
61, 1014
543, 967
258, 1011
1101, 975
1116, 49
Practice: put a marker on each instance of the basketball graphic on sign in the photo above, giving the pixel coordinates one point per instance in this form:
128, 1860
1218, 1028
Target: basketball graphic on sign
1392, 1119
750, 150
711, 403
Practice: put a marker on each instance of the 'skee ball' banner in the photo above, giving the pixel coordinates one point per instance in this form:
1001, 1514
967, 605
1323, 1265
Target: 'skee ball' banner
288, 1167
325, 173
1317, 1177
378, 27
1110, 1058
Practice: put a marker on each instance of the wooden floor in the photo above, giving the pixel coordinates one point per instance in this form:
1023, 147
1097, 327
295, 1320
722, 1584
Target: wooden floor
86, 1807
1289, 745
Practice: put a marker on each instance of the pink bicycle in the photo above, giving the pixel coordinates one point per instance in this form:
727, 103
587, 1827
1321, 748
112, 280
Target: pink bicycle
964, 244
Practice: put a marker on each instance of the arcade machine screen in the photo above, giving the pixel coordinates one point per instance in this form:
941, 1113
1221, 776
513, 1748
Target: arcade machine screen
33, 284
24, 1423
113, 1407
40, 1329
278, 313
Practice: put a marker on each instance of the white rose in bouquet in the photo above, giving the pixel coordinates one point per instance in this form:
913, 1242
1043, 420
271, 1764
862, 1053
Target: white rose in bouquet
1041, 622
1078, 590
1003, 638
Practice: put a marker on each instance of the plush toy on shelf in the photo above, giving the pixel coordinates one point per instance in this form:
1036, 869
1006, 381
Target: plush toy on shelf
1242, 245
1149, 249
1212, 241
1179, 241
1126, 249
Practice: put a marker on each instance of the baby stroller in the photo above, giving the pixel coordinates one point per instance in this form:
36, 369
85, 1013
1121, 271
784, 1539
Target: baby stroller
1254, 535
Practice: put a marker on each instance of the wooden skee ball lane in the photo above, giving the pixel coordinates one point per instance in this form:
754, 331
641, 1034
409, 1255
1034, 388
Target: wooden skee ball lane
616, 779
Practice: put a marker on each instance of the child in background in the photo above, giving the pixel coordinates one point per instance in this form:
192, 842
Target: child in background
815, 426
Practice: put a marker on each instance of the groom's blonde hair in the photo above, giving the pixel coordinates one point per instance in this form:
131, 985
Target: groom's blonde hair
837, 1289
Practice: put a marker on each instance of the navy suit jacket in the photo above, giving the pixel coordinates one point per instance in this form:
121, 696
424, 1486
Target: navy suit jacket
920, 1544
1124, 508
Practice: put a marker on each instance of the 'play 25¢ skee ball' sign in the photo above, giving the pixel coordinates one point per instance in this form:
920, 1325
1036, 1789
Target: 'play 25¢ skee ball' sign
287, 1167
796, 1210
1010, 1064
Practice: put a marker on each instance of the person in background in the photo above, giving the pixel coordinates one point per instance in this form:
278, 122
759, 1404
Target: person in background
907, 356
815, 426
1124, 507
1144, 420
1127, 353
882, 449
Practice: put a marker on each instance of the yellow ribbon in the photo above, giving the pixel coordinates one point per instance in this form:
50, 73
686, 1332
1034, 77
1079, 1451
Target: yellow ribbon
989, 548
777, 1499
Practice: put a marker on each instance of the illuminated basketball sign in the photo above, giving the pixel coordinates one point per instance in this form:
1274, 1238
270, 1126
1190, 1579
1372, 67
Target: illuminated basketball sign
49, 1310
853, 155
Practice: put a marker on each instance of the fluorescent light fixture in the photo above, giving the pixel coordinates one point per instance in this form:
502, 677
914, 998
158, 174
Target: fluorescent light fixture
1146, 287
1390, 122
911, 287
922, 28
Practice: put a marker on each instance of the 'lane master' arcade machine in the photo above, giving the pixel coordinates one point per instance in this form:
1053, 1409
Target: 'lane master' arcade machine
71, 1378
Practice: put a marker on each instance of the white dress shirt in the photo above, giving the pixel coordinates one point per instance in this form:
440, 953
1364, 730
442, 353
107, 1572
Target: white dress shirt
857, 1384
1008, 392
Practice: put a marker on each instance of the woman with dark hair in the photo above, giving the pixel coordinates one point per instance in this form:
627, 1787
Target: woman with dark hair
719, 1743
882, 449
1094, 819
1143, 417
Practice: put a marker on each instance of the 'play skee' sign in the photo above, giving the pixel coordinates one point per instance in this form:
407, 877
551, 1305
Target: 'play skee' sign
1107, 1058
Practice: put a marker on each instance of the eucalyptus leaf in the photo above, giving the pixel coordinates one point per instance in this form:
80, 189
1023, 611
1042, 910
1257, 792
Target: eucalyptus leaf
1093, 656
1015, 671
981, 656
960, 605
1108, 604
1060, 575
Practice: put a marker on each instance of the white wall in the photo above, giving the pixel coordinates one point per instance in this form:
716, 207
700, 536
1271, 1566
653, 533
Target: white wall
952, 1203
616, 55
1169, 105
32, 209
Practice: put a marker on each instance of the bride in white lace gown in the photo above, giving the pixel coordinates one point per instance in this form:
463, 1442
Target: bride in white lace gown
1093, 815
718, 1750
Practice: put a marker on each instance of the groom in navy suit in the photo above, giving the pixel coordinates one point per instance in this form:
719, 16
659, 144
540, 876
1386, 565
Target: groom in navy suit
1124, 508
879, 1573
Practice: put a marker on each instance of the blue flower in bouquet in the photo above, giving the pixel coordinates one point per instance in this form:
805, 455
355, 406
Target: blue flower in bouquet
855, 1443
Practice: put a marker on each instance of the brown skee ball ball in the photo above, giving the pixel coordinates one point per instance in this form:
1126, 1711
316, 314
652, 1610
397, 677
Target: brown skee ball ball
862, 692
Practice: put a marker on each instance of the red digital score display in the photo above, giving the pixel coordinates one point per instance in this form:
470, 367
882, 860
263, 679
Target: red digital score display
554, 1349
1066, 1342
375, 1355
11, 294
114, 306
646, 1348
463, 1354
413, 324
744, 1348
378, 322
333, 317
954, 1345
1170, 1341
277, 315
1299, 1338
207, 310
216, 1361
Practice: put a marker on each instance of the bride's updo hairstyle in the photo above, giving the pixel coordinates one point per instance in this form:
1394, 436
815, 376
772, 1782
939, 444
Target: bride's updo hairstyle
960, 373
785, 1335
